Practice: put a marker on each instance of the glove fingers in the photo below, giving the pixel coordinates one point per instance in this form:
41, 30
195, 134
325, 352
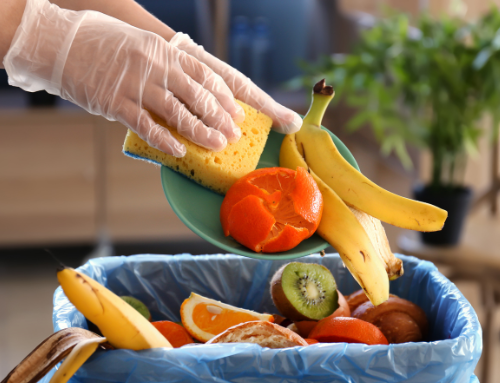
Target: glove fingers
203, 104
155, 135
177, 115
212, 82
284, 120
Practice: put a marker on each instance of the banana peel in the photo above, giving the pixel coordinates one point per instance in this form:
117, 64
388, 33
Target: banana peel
355, 189
50, 352
340, 228
351, 231
376, 233
76, 358
120, 323
328, 164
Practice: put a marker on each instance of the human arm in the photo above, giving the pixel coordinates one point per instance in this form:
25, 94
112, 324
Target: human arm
284, 120
125, 10
11, 12
118, 71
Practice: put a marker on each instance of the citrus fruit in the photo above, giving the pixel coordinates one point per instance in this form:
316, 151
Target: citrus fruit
204, 318
175, 333
348, 330
272, 209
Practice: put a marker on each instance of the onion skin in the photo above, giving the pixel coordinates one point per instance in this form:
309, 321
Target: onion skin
399, 320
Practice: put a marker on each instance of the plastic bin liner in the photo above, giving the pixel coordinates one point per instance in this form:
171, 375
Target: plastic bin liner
163, 282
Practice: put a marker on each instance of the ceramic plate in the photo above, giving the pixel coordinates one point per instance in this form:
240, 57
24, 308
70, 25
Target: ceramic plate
199, 208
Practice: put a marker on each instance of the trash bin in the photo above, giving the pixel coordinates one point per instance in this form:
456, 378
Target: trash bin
163, 282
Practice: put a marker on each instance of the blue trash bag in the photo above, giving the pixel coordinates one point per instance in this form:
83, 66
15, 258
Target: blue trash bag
163, 282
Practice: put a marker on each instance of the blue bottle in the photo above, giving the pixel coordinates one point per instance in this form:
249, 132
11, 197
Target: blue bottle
260, 63
239, 44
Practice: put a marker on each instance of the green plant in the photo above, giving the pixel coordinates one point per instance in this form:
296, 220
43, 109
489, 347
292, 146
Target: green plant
425, 86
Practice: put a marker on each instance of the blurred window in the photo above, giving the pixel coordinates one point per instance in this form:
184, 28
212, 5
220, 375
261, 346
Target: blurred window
180, 15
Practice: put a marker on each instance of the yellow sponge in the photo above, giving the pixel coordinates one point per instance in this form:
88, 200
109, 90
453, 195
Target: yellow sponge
214, 170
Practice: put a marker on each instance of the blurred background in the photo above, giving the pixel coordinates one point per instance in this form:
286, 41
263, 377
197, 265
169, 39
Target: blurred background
417, 95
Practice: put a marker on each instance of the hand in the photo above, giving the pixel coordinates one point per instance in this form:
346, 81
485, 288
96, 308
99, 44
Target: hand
284, 120
115, 70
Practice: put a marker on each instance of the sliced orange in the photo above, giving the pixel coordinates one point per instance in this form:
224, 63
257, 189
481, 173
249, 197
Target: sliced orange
204, 318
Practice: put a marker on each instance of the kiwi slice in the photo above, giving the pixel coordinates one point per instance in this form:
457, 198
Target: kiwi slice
138, 305
304, 291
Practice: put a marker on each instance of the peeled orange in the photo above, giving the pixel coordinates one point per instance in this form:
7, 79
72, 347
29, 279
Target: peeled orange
204, 318
272, 209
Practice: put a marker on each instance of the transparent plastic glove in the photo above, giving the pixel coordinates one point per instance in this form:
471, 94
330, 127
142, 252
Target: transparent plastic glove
112, 69
284, 120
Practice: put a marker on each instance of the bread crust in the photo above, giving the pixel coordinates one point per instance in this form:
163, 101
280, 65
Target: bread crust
265, 334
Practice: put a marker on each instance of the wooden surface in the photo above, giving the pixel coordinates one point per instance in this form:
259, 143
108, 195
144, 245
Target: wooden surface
25, 317
478, 249
136, 206
46, 177
494, 348
51, 182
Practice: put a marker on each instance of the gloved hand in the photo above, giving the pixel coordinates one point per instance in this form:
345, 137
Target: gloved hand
115, 70
284, 120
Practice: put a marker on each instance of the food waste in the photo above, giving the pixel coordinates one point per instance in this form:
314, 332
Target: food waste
268, 215
270, 210
311, 310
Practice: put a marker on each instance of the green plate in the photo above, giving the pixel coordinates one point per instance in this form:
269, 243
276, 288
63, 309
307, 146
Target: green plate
199, 208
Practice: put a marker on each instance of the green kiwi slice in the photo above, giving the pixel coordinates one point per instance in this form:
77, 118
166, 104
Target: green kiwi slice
138, 305
304, 291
